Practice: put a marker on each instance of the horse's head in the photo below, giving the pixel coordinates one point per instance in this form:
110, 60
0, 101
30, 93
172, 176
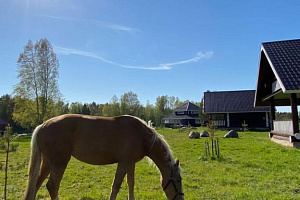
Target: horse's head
173, 186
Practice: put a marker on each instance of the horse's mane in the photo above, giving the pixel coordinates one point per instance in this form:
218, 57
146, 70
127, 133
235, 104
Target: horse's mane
156, 137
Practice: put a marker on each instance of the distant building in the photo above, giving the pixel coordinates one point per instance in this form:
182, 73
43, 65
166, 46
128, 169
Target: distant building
187, 114
230, 109
3, 124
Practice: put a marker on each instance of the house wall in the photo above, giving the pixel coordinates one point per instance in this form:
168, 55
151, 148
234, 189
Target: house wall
182, 122
252, 119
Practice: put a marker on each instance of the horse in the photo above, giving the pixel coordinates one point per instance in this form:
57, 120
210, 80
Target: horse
97, 140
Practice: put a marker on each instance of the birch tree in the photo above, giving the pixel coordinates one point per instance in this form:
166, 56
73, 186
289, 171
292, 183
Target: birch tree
38, 75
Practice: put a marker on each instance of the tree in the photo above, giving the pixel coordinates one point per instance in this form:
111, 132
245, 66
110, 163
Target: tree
94, 108
130, 105
149, 112
114, 106
62, 108
161, 108
6, 108
38, 74
76, 108
86, 109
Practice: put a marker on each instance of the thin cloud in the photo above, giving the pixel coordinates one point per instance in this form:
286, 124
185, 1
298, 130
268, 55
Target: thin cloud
120, 27
164, 66
198, 56
60, 18
108, 25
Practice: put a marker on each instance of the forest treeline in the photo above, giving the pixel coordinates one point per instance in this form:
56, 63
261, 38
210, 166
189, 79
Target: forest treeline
126, 104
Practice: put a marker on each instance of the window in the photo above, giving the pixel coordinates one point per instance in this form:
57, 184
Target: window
194, 112
180, 113
198, 121
171, 121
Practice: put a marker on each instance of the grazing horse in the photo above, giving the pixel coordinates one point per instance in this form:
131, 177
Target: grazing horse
99, 141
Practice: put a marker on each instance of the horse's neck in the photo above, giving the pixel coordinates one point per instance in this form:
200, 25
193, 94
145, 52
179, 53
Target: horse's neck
161, 157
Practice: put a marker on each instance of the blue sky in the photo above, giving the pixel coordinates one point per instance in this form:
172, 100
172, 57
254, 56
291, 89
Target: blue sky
152, 48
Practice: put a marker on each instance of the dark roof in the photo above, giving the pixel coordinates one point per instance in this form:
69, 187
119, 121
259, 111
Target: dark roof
284, 58
231, 102
278, 73
180, 117
187, 107
2, 121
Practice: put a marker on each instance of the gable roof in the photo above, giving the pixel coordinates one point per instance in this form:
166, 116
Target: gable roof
284, 58
187, 107
279, 61
231, 102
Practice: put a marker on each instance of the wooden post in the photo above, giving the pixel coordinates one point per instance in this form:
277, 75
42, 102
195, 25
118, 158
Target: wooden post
294, 113
272, 114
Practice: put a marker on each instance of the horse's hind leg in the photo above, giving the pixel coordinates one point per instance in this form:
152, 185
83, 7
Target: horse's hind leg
130, 182
44, 172
122, 169
56, 174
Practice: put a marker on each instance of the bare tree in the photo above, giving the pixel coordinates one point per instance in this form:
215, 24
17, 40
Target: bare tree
38, 74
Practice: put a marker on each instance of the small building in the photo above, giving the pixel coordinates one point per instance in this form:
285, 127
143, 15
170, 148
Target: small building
187, 114
278, 84
3, 125
231, 109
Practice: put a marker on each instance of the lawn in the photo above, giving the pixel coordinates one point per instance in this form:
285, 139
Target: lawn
251, 167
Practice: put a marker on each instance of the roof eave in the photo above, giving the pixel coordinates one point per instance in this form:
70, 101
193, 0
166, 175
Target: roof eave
273, 69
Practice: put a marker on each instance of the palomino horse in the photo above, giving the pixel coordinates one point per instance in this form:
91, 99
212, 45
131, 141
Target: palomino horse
99, 140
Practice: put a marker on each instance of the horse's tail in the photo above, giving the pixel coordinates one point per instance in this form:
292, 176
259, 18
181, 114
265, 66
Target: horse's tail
34, 166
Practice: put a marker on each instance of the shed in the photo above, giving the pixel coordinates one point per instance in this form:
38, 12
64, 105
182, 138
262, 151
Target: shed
278, 84
230, 109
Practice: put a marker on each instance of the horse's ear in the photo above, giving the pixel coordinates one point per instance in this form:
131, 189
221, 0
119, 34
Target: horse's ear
176, 162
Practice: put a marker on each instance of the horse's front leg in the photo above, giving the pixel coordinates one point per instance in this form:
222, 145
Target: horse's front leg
130, 182
122, 169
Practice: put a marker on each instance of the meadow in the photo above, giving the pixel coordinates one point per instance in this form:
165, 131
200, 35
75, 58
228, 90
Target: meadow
250, 167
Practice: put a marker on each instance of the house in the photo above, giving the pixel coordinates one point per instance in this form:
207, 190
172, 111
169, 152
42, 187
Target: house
3, 124
230, 109
187, 114
278, 84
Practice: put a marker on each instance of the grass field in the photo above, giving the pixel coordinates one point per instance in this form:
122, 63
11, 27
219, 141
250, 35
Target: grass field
252, 167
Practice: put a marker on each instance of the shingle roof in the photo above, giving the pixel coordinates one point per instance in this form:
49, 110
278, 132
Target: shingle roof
187, 107
284, 57
231, 102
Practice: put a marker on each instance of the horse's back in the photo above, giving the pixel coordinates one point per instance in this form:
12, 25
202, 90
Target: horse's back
95, 140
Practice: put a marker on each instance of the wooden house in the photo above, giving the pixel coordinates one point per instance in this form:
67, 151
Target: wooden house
187, 114
231, 109
278, 84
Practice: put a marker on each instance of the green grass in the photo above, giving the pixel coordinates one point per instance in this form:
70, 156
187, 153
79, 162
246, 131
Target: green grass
251, 167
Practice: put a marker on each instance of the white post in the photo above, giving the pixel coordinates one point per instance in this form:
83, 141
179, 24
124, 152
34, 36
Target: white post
267, 120
228, 122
